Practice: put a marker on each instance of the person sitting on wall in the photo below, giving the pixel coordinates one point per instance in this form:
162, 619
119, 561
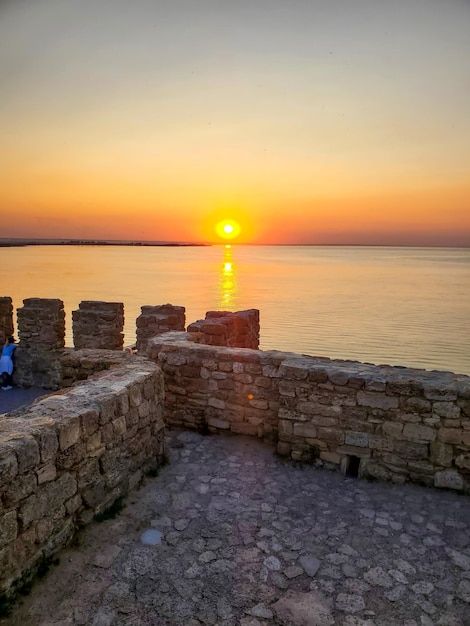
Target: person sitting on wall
7, 363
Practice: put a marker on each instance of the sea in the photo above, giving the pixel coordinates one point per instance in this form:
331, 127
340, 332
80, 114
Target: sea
383, 305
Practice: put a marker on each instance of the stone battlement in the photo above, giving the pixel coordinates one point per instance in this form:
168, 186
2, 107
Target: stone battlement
72, 454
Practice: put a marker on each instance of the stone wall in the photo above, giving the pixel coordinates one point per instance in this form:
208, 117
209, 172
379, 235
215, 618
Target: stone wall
155, 320
223, 328
98, 325
79, 365
381, 422
41, 331
69, 457
6, 319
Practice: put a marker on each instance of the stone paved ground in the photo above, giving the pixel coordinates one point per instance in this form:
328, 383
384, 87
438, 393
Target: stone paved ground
250, 540
16, 398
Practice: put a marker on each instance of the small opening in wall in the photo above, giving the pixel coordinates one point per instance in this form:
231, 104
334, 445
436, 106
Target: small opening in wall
352, 466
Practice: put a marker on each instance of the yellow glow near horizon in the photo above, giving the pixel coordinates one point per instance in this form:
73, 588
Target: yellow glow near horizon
228, 229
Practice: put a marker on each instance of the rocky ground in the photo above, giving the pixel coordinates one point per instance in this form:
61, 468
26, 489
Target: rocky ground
249, 539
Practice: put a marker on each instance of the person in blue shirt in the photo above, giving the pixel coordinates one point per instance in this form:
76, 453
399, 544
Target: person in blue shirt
7, 363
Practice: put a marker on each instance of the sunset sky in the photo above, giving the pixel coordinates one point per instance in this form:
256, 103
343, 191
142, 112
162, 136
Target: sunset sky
305, 121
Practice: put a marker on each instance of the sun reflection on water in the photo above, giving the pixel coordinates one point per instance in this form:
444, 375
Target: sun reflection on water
228, 287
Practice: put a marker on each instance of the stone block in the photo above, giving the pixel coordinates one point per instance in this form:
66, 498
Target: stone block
46, 473
216, 403
69, 432
393, 429
418, 432
94, 441
27, 452
259, 404
449, 435
446, 409
416, 405
243, 428
305, 430
8, 528
291, 371
411, 450
441, 392
317, 443
315, 408
375, 383
338, 377
47, 499
283, 448
218, 423
448, 479
48, 443
377, 400
285, 428
119, 426
19, 488
363, 453
135, 395
463, 461
330, 457
8, 464
356, 439
331, 434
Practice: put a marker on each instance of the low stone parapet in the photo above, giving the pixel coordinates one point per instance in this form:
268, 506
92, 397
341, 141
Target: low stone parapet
69, 457
380, 422
79, 365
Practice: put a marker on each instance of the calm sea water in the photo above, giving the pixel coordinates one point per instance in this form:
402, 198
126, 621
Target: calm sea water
401, 306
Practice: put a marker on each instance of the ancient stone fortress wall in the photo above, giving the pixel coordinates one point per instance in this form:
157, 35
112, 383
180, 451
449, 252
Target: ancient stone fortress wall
155, 320
383, 422
224, 328
98, 325
70, 456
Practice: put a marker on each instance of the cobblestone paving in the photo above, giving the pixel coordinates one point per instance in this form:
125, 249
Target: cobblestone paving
249, 540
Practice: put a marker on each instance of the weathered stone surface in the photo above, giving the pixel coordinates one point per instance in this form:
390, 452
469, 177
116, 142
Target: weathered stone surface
449, 479
98, 325
304, 609
377, 400
418, 432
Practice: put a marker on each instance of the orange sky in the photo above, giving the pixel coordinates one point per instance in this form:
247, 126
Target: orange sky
307, 122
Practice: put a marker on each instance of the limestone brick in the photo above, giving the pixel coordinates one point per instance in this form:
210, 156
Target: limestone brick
69, 432
448, 479
418, 432
393, 429
356, 439
447, 410
8, 528
377, 400
304, 430
450, 435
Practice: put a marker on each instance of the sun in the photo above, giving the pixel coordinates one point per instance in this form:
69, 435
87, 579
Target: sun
228, 229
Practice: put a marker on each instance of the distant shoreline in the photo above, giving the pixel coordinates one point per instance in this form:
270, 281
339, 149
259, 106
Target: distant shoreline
15, 243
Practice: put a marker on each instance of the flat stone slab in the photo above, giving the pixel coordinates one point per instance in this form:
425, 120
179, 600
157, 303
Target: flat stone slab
265, 542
